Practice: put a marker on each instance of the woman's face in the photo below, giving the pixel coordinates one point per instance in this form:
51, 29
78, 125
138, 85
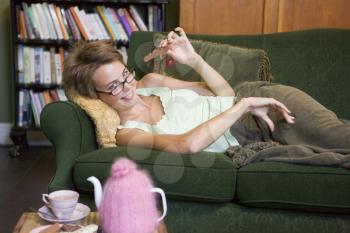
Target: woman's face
115, 85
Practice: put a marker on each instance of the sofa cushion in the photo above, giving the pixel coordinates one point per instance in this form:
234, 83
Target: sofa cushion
235, 64
291, 186
205, 176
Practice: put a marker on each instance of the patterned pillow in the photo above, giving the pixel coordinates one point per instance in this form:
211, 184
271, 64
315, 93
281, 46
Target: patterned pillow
235, 64
105, 118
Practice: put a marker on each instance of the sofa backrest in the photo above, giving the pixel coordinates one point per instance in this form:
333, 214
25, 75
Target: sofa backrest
315, 61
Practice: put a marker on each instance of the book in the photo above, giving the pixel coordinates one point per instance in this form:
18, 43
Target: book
38, 53
150, 17
61, 95
137, 18
26, 64
75, 13
48, 20
47, 97
90, 30
65, 22
18, 22
90, 25
124, 20
40, 97
53, 79
31, 21
37, 10
47, 67
105, 35
130, 20
54, 95
98, 30
56, 23
121, 33
35, 105
36, 22
58, 68
106, 22
62, 56
26, 110
32, 64
20, 68
20, 107
23, 31
61, 23
27, 25
73, 25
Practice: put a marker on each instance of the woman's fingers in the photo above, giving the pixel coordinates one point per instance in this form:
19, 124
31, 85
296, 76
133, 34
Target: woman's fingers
180, 31
286, 115
290, 119
169, 37
163, 43
280, 105
268, 121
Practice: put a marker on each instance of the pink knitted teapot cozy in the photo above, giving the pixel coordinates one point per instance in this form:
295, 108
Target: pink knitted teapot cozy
128, 205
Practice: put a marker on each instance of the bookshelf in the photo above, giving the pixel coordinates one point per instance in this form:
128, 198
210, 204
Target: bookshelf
42, 32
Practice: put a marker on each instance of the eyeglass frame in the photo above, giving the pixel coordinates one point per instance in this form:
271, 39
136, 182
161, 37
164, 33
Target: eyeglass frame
131, 71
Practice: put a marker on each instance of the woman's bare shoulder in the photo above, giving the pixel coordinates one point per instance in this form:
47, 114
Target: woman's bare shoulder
151, 80
159, 80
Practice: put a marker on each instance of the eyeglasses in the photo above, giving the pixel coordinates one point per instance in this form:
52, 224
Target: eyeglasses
117, 87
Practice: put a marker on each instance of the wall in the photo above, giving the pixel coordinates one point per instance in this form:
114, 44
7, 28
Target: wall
261, 16
6, 93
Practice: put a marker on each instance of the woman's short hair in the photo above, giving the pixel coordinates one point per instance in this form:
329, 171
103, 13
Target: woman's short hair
83, 60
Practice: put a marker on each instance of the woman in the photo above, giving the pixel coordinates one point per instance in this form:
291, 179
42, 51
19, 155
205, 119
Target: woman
163, 113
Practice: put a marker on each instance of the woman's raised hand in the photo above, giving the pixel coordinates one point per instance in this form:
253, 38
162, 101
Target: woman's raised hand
179, 47
260, 107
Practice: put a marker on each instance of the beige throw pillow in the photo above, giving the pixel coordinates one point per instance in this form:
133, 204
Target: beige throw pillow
105, 118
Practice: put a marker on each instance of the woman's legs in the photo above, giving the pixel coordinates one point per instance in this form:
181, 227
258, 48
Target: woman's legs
314, 124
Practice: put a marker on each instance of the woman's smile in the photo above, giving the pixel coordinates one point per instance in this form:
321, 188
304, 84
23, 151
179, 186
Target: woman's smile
128, 95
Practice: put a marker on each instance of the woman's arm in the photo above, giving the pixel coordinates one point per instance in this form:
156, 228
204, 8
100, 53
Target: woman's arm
180, 48
191, 142
206, 133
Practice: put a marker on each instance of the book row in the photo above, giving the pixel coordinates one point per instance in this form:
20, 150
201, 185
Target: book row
30, 105
49, 21
39, 65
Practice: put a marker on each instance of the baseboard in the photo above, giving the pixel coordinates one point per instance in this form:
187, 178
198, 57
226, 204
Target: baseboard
5, 129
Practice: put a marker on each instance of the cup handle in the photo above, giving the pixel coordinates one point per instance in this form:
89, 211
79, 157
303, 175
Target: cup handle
165, 208
46, 198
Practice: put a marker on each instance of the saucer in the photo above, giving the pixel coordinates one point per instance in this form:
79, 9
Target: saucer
80, 212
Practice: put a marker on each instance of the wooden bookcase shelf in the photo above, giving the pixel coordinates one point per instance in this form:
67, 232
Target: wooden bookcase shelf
38, 44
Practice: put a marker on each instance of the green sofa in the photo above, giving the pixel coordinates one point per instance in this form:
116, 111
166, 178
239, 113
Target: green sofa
205, 192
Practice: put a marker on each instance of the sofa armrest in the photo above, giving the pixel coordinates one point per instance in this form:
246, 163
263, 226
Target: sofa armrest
72, 134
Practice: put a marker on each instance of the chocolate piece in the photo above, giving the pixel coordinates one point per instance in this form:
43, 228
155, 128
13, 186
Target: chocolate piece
70, 227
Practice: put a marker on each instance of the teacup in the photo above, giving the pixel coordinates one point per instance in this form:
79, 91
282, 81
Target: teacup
62, 203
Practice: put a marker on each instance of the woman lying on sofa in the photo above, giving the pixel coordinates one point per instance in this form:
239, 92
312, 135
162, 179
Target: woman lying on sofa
164, 113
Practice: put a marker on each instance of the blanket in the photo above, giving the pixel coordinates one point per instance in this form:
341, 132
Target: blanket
318, 137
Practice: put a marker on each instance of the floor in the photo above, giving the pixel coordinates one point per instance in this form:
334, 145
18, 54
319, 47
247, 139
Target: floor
22, 181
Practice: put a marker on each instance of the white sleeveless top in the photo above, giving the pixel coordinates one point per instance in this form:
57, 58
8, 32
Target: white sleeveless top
184, 110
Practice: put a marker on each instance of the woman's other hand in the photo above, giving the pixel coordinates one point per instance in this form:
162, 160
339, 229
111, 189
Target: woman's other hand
260, 107
179, 47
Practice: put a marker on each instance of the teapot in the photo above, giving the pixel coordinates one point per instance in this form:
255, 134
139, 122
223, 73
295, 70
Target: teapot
127, 203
